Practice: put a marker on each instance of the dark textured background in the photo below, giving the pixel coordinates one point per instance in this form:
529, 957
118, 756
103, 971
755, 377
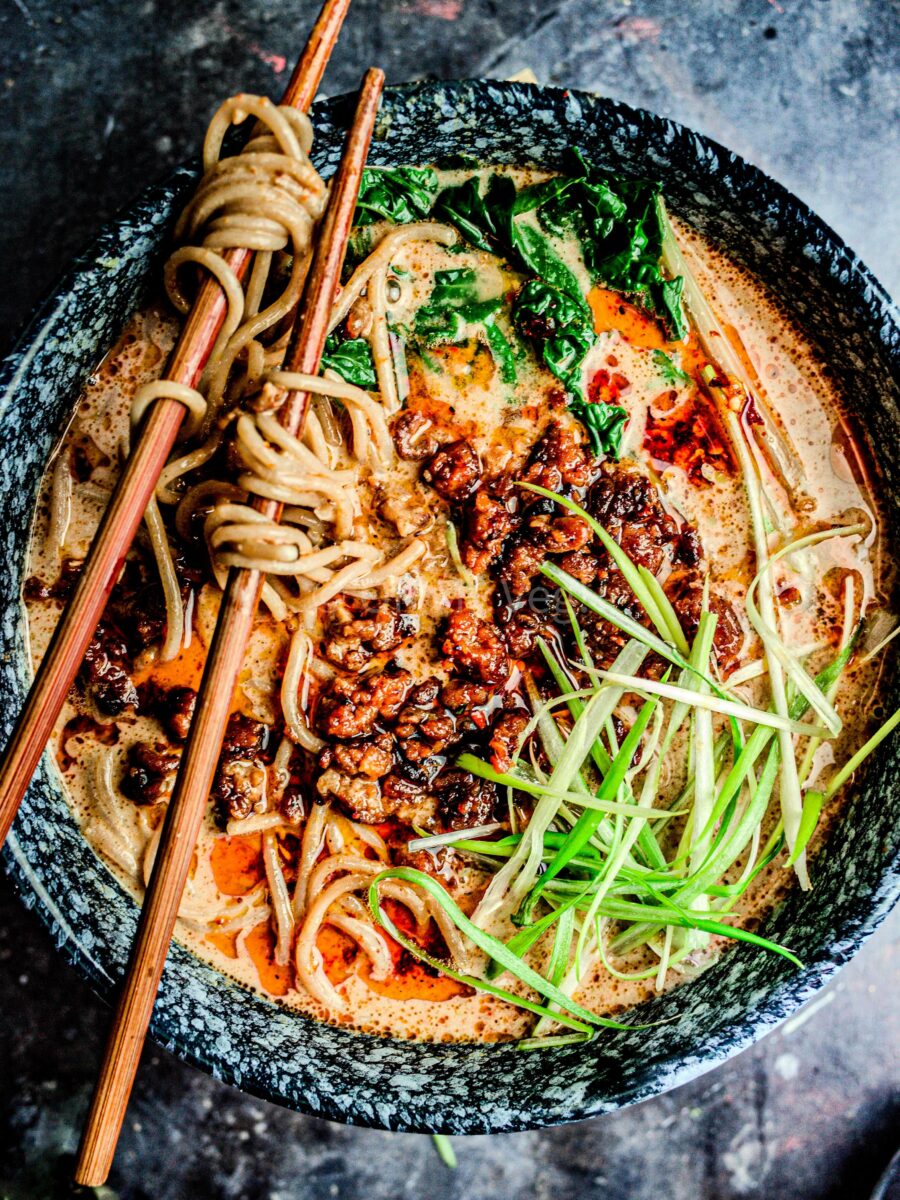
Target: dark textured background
98, 99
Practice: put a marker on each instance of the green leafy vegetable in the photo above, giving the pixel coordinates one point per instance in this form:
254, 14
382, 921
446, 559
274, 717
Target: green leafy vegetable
439, 324
502, 352
483, 220
457, 286
557, 320
351, 359
588, 208
539, 256
399, 194
671, 374
619, 225
452, 308
605, 424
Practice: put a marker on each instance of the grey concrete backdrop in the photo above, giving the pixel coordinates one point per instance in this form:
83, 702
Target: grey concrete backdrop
97, 99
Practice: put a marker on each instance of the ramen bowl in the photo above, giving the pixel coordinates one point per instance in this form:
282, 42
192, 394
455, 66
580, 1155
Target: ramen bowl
279, 1054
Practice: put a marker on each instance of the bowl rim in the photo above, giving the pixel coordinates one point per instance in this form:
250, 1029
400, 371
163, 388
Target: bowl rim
783, 998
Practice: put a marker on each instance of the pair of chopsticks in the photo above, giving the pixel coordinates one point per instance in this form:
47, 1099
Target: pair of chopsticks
137, 483
241, 597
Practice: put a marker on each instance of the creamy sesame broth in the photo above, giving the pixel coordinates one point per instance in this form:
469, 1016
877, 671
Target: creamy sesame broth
448, 699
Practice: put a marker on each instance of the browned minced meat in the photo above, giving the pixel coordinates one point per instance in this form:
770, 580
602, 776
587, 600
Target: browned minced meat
359, 796
441, 863
371, 758
463, 695
581, 565
424, 728
105, 672
293, 803
375, 800
505, 734
526, 550
350, 772
351, 707
389, 767
464, 800
240, 779
488, 522
475, 648
358, 631
559, 461
137, 603
149, 773
685, 590
521, 562
521, 627
245, 736
406, 786
628, 506
149, 623
414, 436
138, 606
689, 549
604, 639
454, 472
175, 709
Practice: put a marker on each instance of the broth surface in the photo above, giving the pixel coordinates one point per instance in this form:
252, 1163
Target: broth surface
671, 436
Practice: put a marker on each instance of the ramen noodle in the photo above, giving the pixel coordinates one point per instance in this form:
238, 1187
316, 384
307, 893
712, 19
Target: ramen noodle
573, 621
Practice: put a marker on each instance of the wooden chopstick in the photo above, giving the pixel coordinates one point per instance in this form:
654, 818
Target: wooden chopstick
226, 655
125, 510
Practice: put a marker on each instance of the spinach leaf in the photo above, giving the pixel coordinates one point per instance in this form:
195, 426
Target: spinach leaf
605, 424
452, 309
451, 306
456, 286
667, 300
537, 254
352, 360
588, 209
671, 374
436, 324
465, 208
558, 322
543, 195
501, 350
483, 220
564, 354
622, 245
400, 194
489, 222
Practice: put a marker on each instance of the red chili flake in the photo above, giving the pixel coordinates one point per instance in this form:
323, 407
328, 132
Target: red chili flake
691, 437
606, 388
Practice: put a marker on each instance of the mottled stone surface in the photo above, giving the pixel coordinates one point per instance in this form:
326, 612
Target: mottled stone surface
808, 1113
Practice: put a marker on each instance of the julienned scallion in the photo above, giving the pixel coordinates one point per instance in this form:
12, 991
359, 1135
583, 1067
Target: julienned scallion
593, 873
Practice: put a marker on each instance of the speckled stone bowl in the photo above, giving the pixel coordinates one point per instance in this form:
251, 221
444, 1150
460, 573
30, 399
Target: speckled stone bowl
237, 1036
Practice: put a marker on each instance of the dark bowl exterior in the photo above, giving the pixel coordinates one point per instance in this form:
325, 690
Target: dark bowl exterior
235, 1035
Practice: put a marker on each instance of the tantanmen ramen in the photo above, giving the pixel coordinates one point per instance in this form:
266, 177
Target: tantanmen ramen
571, 631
